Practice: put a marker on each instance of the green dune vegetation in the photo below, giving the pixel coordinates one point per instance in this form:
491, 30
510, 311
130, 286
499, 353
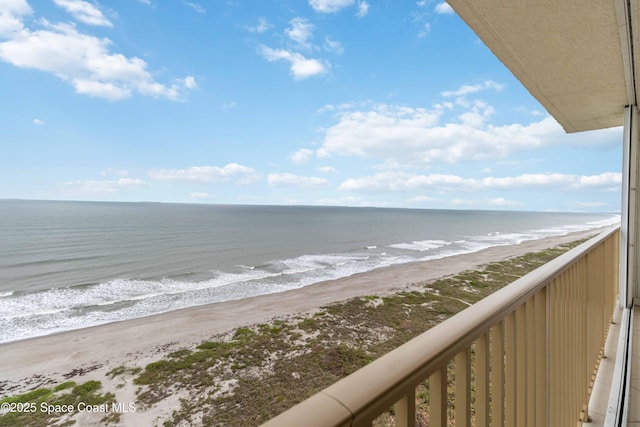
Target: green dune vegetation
254, 373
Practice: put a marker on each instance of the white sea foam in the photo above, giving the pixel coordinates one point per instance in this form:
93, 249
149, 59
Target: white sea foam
60, 309
422, 245
612, 220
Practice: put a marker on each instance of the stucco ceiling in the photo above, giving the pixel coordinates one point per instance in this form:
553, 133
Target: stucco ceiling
569, 54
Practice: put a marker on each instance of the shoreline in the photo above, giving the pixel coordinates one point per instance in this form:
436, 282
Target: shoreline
92, 352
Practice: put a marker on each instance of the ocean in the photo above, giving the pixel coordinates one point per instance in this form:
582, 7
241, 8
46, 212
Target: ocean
69, 265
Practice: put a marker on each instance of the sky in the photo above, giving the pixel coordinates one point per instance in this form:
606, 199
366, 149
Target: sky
280, 102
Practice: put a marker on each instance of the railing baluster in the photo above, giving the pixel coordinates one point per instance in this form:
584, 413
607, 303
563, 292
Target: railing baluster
554, 344
541, 356
497, 375
583, 350
567, 343
510, 369
530, 357
521, 366
579, 352
463, 388
482, 381
438, 398
405, 410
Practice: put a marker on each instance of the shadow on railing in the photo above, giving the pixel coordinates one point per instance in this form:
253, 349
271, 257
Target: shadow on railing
525, 355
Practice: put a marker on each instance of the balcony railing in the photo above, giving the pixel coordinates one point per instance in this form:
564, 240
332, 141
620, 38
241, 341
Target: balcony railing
524, 356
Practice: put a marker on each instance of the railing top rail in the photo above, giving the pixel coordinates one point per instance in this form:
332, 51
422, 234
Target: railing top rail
366, 393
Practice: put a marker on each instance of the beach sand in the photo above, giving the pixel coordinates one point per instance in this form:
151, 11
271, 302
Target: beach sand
88, 354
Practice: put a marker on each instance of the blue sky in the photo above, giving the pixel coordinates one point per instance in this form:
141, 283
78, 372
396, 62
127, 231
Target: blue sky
318, 102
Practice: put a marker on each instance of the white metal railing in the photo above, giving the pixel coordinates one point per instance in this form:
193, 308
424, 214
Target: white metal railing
524, 356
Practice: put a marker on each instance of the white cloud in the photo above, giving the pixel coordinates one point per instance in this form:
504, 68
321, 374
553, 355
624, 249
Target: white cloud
190, 82
422, 20
110, 91
602, 180
83, 60
202, 173
330, 6
341, 107
401, 136
15, 7
199, 195
84, 12
302, 156
477, 115
341, 201
421, 199
38, 122
400, 181
381, 131
114, 172
229, 105
300, 31
107, 186
363, 9
195, 6
424, 32
291, 180
444, 8
585, 205
468, 89
498, 201
327, 169
262, 26
301, 67
11, 12
526, 180
333, 45
9, 24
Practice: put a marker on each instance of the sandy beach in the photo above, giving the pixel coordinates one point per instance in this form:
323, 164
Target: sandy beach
90, 353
